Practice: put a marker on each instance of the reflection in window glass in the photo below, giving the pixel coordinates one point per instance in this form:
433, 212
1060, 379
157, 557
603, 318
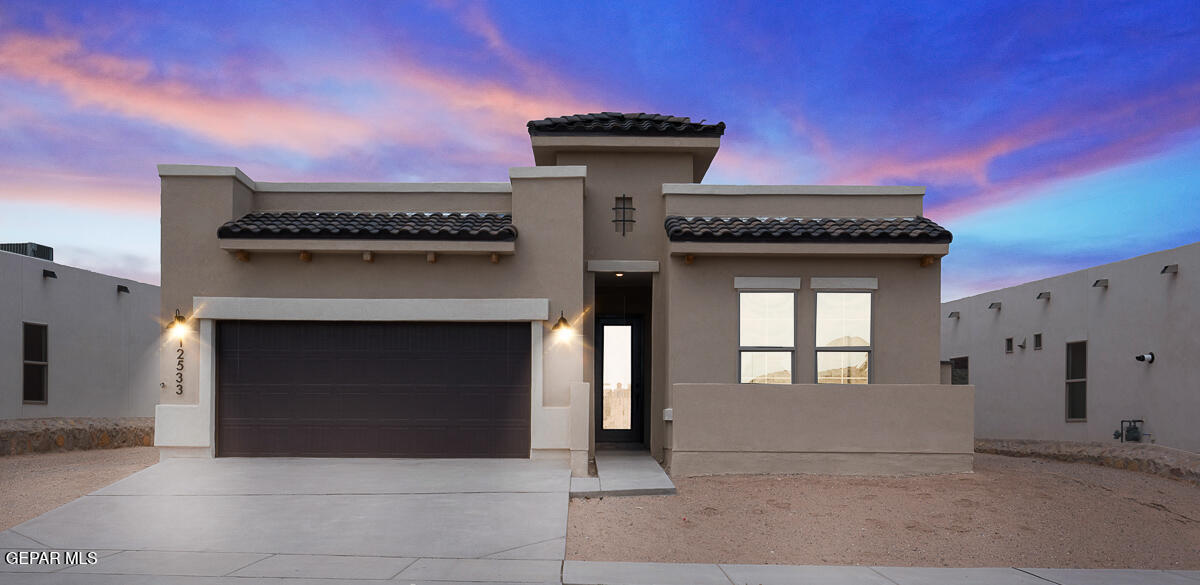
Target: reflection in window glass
766, 367
767, 319
843, 319
618, 377
842, 367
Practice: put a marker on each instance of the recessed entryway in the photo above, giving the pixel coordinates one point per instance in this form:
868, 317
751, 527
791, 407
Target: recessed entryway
622, 360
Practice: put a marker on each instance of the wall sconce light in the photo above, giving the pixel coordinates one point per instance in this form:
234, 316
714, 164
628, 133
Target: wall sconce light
122, 289
562, 327
178, 326
48, 274
995, 305
1043, 296
1023, 343
1170, 269
1102, 283
952, 315
620, 274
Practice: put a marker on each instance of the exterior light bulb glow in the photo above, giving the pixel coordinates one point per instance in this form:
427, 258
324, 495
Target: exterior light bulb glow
562, 327
178, 326
620, 274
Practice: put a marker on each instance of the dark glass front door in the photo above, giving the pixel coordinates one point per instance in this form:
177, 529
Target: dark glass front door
619, 379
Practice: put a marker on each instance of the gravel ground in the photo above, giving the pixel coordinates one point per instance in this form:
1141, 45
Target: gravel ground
31, 485
1010, 512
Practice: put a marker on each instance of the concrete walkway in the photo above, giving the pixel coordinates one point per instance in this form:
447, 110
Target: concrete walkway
222, 568
623, 473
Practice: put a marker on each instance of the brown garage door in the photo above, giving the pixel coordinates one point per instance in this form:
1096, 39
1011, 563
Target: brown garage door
340, 389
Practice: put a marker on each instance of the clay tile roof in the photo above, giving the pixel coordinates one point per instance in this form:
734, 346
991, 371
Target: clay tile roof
371, 226
798, 229
618, 124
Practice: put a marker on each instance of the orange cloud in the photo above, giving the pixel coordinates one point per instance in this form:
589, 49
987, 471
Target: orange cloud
130, 88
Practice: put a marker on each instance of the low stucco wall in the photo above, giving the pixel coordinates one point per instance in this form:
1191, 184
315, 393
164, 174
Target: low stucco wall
862, 429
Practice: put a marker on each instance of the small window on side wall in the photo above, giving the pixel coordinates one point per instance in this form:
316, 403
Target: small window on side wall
843, 337
1077, 381
1008, 345
767, 337
36, 358
1037, 341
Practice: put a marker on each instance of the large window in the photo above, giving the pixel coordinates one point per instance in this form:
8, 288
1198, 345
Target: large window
1077, 381
767, 337
36, 358
843, 337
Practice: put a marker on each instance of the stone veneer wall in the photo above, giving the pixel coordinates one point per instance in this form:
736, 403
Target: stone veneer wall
1155, 459
40, 435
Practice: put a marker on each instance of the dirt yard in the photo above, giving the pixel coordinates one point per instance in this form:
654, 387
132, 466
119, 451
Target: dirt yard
31, 485
1010, 512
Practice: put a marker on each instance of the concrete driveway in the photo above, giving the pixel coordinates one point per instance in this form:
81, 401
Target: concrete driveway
435, 520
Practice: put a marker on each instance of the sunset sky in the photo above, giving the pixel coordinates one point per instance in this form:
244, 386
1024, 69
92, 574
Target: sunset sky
1051, 136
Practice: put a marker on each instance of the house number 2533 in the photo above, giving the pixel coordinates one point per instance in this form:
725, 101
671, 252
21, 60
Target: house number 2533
179, 368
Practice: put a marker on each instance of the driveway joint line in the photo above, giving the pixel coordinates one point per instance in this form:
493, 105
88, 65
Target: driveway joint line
886, 578
1037, 576
404, 568
15, 531
1184, 575
723, 572
254, 562
564, 536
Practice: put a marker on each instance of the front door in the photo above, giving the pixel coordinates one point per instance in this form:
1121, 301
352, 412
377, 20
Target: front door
619, 378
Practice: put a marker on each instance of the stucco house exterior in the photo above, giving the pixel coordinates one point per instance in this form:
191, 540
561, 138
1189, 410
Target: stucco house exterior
603, 296
1057, 359
76, 343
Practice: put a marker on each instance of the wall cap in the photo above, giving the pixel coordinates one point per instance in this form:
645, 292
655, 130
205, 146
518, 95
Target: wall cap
547, 172
696, 189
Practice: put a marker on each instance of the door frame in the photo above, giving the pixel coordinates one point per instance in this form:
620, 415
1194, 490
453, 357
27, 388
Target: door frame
636, 377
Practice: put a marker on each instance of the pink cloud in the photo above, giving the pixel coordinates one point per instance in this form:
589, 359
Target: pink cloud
130, 88
137, 196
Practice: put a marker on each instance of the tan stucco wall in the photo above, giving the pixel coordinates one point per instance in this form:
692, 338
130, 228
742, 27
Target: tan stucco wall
636, 175
803, 205
704, 315
547, 212
811, 428
1022, 395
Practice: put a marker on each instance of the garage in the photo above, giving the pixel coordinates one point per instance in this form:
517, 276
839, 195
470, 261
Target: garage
372, 389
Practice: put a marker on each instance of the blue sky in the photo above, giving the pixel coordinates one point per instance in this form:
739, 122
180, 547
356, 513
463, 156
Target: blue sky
1051, 136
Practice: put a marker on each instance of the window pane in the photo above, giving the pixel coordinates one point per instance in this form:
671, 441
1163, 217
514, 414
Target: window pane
618, 377
1077, 360
35, 343
842, 367
960, 370
766, 367
843, 319
1077, 400
768, 319
35, 383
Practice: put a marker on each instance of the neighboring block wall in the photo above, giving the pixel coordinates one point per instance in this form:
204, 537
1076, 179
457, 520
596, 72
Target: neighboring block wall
1022, 395
102, 344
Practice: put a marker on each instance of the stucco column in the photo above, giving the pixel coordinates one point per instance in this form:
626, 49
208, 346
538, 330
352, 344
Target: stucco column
547, 209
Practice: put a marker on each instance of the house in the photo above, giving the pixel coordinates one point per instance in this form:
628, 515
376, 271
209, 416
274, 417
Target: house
1069, 358
76, 343
602, 296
